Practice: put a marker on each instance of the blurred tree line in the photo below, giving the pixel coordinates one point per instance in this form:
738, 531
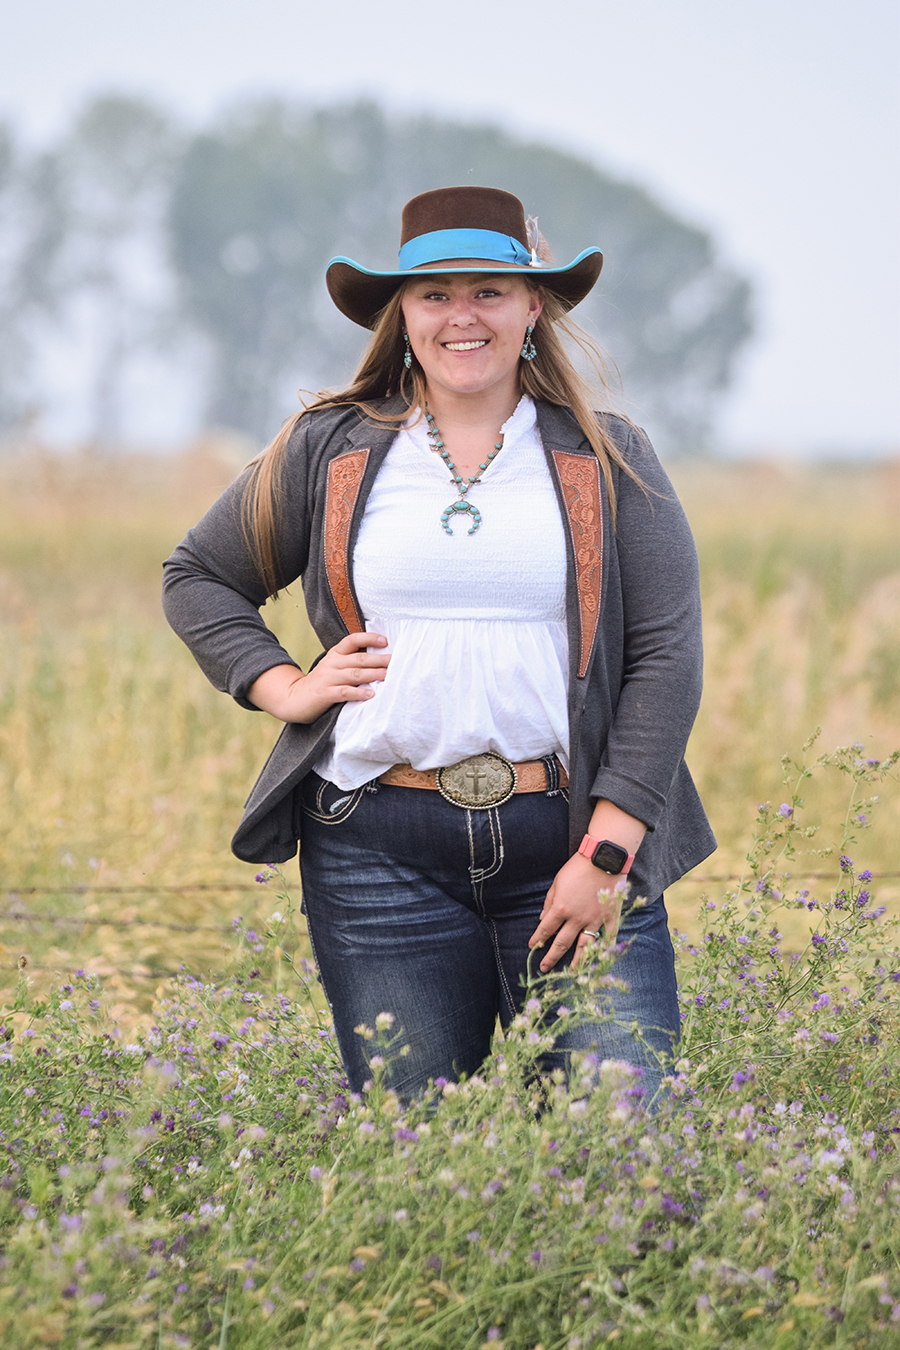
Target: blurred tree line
135, 252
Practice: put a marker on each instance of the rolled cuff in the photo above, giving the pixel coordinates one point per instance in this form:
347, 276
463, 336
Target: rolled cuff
631, 796
246, 670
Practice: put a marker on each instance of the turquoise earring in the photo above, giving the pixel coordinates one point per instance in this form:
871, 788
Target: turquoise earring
529, 350
407, 355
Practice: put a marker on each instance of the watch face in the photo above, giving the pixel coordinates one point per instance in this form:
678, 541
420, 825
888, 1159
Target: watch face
610, 857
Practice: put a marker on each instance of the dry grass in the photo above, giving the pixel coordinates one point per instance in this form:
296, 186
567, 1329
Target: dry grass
119, 765
801, 584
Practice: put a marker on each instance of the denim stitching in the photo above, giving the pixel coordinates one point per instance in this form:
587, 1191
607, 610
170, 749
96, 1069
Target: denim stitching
475, 873
497, 842
500, 971
485, 873
312, 947
478, 876
324, 819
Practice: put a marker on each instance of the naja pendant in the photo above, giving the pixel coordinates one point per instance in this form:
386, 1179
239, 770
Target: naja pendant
461, 507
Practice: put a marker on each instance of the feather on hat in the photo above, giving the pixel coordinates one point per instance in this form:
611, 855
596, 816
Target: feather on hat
460, 229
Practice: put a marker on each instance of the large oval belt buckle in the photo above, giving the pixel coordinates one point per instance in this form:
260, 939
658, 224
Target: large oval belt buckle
479, 782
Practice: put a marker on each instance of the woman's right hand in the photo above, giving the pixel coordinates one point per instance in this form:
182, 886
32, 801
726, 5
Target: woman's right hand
342, 676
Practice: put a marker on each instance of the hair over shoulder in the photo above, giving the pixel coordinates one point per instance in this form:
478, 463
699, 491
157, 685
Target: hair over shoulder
552, 378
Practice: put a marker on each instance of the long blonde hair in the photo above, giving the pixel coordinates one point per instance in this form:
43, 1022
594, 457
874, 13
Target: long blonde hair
551, 377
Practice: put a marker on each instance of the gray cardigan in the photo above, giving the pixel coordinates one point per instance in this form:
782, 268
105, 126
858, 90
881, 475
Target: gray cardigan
633, 607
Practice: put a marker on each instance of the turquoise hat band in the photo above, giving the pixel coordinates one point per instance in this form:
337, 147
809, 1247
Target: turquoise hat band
440, 245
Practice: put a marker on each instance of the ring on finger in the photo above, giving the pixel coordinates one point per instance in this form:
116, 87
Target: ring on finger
589, 932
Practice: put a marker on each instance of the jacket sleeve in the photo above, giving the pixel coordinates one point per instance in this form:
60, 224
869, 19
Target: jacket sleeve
662, 672
213, 590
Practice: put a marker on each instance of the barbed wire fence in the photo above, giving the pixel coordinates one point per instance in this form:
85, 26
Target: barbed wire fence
15, 894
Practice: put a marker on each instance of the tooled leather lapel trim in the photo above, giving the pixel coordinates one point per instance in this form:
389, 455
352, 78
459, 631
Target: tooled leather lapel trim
579, 477
345, 474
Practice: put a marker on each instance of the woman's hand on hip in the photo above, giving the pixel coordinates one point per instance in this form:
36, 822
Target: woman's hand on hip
582, 901
341, 676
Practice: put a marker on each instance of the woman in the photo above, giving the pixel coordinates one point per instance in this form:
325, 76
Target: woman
506, 590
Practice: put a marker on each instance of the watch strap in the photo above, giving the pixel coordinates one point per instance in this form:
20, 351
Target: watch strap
589, 845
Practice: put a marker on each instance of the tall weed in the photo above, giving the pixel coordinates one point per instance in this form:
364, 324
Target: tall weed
214, 1182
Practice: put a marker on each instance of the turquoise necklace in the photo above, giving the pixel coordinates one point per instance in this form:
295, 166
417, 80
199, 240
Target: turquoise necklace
462, 484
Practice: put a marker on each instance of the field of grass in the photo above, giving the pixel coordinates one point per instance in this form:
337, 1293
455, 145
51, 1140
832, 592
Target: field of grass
121, 767
212, 1183
183, 1164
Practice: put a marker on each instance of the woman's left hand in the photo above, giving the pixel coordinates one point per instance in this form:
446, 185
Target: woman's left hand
582, 901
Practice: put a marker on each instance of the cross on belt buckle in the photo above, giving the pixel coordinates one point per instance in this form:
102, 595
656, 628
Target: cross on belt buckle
479, 782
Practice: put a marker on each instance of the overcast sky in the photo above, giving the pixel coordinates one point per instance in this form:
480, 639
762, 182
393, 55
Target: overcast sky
774, 123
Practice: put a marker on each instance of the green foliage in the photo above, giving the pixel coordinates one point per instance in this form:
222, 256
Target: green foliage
151, 248
749, 1002
264, 198
30, 228
214, 1182
253, 214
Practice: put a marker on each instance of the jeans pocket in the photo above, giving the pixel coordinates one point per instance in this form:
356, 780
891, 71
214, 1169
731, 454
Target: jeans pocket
326, 802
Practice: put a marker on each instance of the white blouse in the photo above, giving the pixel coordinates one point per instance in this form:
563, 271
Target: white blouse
476, 624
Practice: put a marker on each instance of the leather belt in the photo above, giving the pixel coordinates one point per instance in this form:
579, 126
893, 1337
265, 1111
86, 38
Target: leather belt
481, 781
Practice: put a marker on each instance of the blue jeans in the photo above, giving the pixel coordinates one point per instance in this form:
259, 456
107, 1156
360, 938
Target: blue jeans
423, 909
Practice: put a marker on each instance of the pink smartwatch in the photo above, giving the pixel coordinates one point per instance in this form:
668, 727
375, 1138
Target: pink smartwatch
606, 855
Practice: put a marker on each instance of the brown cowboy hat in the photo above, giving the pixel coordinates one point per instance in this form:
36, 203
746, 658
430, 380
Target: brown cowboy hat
478, 229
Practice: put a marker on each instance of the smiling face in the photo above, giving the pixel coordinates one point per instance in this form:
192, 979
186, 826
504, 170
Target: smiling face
467, 330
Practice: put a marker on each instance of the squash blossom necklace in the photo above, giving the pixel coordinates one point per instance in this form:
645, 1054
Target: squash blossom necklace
462, 506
